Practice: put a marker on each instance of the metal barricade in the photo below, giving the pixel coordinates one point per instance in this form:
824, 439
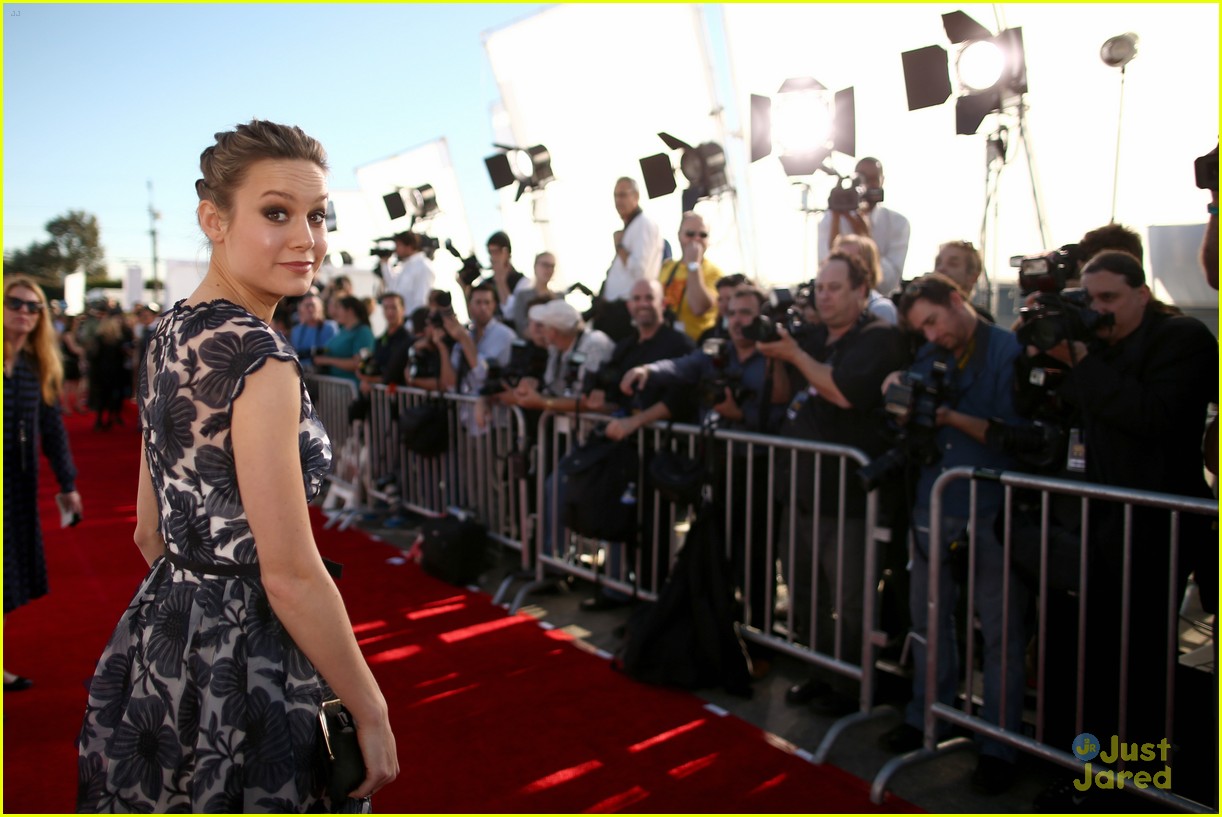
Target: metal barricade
938, 714
757, 517
331, 397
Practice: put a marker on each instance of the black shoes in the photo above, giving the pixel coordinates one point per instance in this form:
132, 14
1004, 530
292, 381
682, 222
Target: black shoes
901, 739
835, 704
992, 776
18, 684
807, 691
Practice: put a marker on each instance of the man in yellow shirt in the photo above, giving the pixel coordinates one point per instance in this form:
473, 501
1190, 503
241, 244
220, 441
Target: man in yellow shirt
689, 281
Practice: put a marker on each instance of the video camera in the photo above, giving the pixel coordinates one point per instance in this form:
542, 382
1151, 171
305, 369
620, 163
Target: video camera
471, 270
848, 194
913, 405
782, 310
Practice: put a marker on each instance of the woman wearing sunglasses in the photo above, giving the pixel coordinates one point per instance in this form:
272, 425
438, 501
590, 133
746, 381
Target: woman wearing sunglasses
33, 375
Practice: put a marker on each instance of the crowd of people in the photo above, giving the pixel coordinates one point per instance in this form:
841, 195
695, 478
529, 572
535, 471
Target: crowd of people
1125, 380
1129, 395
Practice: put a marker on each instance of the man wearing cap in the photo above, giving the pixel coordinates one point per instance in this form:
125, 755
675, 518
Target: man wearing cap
573, 351
638, 254
689, 281
412, 276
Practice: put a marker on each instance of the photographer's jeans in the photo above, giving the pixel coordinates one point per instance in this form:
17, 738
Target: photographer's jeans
991, 579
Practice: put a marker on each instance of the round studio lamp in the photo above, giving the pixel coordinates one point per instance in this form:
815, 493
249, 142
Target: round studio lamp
522, 165
979, 65
1120, 50
801, 121
423, 200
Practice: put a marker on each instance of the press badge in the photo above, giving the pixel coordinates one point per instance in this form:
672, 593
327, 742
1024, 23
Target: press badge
1075, 457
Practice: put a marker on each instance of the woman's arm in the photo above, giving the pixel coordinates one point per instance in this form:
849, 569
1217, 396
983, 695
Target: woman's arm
265, 449
148, 519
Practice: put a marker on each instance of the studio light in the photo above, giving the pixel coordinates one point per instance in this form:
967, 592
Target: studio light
803, 124
530, 167
1120, 50
991, 71
420, 202
704, 167
330, 219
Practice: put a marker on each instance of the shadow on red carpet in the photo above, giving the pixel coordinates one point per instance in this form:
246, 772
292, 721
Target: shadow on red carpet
492, 713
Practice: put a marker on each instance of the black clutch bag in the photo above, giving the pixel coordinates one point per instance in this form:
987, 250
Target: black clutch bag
343, 765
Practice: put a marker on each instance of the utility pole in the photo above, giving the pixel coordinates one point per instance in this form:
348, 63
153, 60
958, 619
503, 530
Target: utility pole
153, 216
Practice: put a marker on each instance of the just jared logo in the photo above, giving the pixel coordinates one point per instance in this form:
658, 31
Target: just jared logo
1086, 747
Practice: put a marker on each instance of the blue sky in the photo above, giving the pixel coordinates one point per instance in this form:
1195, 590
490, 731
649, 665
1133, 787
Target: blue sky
101, 99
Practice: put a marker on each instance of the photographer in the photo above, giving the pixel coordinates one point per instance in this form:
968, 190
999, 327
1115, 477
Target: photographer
976, 390
1141, 386
387, 363
574, 352
488, 340
869, 216
736, 374
843, 361
727, 285
508, 281
412, 275
652, 341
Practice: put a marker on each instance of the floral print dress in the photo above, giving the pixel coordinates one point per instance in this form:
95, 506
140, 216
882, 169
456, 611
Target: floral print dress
201, 702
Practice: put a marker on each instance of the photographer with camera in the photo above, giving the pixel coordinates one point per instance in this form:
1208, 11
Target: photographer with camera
412, 275
507, 280
726, 286
865, 250
859, 210
843, 361
387, 363
689, 281
575, 351
963, 382
638, 254
487, 341
652, 341
1141, 387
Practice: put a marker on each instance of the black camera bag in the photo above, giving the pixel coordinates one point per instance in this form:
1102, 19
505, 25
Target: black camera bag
425, 429
594, 477
454, 549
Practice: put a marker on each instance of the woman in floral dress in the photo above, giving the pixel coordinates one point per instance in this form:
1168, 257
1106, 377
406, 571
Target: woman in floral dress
207, 695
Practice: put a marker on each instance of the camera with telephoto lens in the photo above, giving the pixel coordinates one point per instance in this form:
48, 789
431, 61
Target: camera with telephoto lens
713, 389
781, 311
848, 194
1060, 316
525, 360
382, 252
912, 404
444, 303
471, 269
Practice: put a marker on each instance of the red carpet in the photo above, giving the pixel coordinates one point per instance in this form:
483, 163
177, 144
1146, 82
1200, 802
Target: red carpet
492, 713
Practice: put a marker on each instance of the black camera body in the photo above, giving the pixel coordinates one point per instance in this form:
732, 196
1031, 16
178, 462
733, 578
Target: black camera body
525, 360
849, 194
1059, 316
382, 252
713, 389
369, 364
471, 269
913, 405
1048, 271
782, 310
423, 363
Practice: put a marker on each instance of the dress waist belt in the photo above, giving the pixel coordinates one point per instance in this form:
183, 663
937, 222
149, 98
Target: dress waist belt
244, 571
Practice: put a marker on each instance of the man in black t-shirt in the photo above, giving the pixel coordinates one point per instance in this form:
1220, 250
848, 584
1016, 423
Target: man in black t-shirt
844, 362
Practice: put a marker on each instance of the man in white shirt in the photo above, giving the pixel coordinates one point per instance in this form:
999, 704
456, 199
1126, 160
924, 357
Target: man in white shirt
638, 254
412, 275
889, 229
